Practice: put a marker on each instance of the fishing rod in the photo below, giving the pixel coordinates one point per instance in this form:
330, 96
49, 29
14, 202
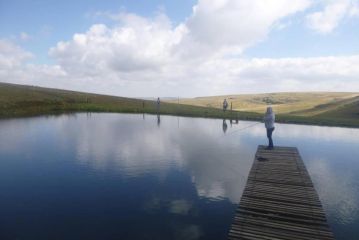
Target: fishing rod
241, 129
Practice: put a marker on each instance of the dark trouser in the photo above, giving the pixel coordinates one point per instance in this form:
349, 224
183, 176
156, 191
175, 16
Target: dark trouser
269, 136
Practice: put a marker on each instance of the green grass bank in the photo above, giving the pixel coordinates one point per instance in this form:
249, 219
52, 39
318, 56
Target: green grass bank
25, 101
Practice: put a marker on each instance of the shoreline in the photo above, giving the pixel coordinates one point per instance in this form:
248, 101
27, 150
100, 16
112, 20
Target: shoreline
19, 101
211, 114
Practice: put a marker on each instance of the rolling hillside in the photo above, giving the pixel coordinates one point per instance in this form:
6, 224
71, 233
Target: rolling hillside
334, 109
19, 100
294, 104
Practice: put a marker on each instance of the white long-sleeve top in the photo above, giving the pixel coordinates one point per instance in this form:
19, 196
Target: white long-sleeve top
269, 119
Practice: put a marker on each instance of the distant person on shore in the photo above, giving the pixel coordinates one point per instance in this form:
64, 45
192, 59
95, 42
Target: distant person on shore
269, 119
225, 105
158, 104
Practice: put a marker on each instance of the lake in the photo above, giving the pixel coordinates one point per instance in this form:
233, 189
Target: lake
134, 176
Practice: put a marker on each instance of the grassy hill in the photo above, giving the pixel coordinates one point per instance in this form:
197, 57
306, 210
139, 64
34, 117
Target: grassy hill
335, 109
302, 104
316, 107
20, 101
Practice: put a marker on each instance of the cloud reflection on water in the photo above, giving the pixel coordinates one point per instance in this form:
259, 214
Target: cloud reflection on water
338, 191
218, 167
215, 164
136, 147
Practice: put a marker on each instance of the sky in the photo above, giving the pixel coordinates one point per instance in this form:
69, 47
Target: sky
188, 48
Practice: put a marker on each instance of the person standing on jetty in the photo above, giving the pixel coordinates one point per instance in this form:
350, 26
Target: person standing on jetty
269, 119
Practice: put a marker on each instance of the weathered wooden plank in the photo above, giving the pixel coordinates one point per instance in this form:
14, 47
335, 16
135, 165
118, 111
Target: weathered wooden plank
279, 224
273, 207
284, 232
279, 228
279, 200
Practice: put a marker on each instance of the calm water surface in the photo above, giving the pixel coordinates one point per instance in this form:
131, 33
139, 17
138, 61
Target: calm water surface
123, 176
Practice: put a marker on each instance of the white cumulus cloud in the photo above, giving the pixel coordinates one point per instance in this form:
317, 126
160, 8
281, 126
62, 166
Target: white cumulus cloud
12, 55
236, 25
334, 11
136, 44
152, 56
15, 67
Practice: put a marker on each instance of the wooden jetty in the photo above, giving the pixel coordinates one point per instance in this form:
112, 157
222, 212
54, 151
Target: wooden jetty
279, 200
